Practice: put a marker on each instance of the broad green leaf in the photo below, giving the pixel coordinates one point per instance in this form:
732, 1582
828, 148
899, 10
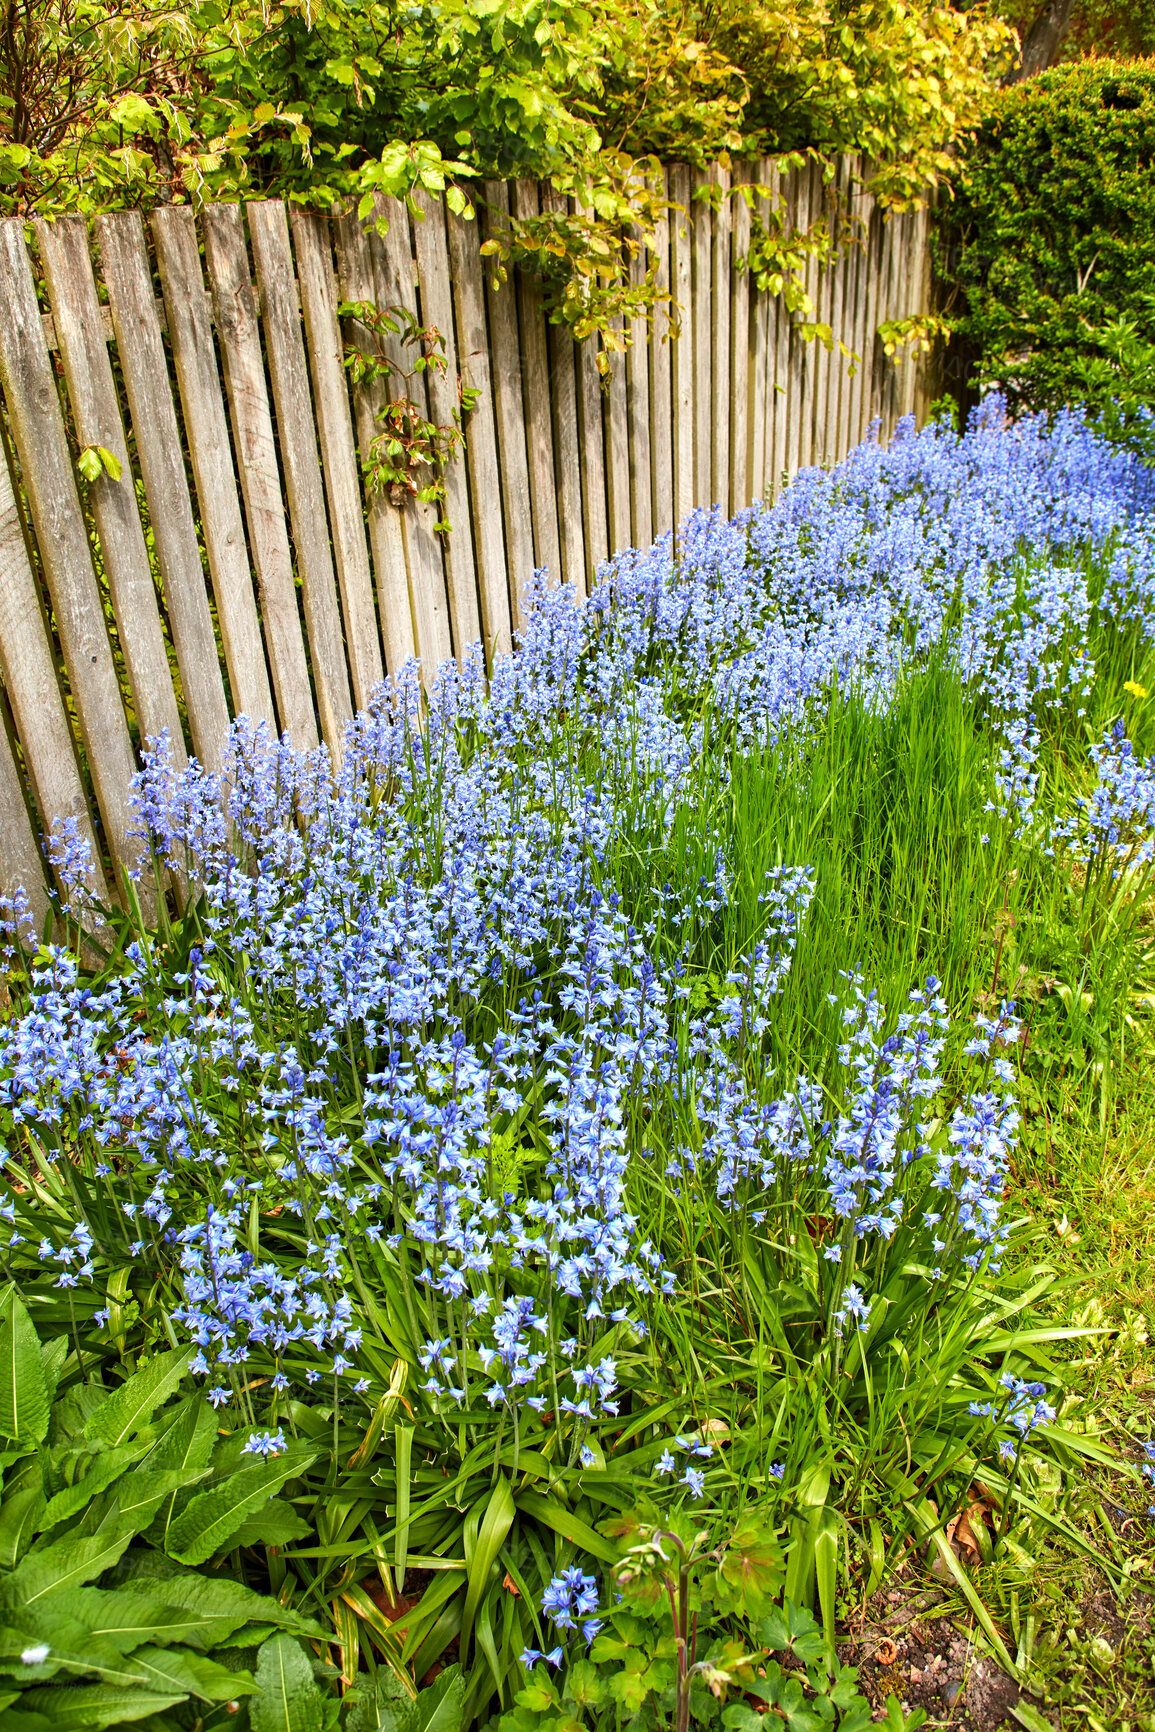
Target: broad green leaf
219, 1597
93, 1706
139, 1495
287, 1698
278, 1524
209, 1521
128, 1616
23, 1387
185, 1437
128, 1407
106, 1468
177, 1669
67, 1564
439, 1708
18, 1518
66, 1646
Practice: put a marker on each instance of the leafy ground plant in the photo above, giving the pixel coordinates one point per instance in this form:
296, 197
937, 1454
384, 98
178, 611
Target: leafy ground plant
608, 1080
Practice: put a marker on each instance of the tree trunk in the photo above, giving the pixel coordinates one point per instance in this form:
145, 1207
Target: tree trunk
1043, 40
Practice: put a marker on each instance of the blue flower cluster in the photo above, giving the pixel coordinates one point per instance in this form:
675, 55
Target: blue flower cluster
421, 1043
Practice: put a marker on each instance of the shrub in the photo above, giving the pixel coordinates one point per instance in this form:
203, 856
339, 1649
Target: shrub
1049, 242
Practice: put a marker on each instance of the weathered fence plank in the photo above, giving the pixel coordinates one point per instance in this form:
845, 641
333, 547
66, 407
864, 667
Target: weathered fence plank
566, 451
432, 247
395, 275
720, 290
481, 434
702, 246
617, 438
67, 264
318, 287
235, 311
661, 399
536, 400
509, 414
740, 464
62, 539
269, 232
21, 865
30, 681
682, 346
144, 367
390, 566
593, 460
638, 418
218, 506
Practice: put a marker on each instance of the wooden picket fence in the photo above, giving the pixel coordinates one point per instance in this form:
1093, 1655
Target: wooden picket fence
239, 566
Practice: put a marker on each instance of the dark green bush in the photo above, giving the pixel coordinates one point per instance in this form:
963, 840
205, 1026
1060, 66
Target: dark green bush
1047, 249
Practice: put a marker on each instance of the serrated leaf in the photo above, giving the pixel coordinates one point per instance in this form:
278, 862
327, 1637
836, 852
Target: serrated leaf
128, 1616
18, 1518
287, 1699
219, 1597
105, 1469
210, 1521
94, 1706
128, 1407
278, 1524
67, 1564
193, 1673
438, 1708
23, 1387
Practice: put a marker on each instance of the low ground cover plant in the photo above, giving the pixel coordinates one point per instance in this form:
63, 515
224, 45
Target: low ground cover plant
552, 1164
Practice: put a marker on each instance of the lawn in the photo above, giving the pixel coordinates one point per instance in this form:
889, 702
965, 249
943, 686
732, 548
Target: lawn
628, 1201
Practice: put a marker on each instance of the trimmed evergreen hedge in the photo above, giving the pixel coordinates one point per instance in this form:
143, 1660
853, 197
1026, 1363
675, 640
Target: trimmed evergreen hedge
1047, 249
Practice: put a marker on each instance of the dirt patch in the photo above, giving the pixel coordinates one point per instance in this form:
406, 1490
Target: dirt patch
908, 1646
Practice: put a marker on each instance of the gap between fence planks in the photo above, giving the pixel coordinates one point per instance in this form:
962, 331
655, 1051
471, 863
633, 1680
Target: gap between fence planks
243, 540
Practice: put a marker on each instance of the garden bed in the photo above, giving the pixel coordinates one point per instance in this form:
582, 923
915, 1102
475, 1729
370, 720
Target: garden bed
559, 1175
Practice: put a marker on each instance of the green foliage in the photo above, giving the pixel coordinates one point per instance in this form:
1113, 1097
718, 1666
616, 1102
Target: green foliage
107, 1494
1049, 242
668, 1654
407, 441
323, 100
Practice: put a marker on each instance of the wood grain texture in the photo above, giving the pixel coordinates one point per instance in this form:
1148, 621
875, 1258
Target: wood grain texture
509, 413
67, 265
535, 379
702, 264
591, 441
566, 444
765, 175
799, 431
144, 367
740, 371
29, 670
856, 307
395, 276
206, 429
21, 863
312, 243
390, 565
720, 344
468, 275
661, 386
431, 244
616, 417
292, 404
638, 419
62, 538
820, 355
682, 346
238, 333
834, 446
778, 356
